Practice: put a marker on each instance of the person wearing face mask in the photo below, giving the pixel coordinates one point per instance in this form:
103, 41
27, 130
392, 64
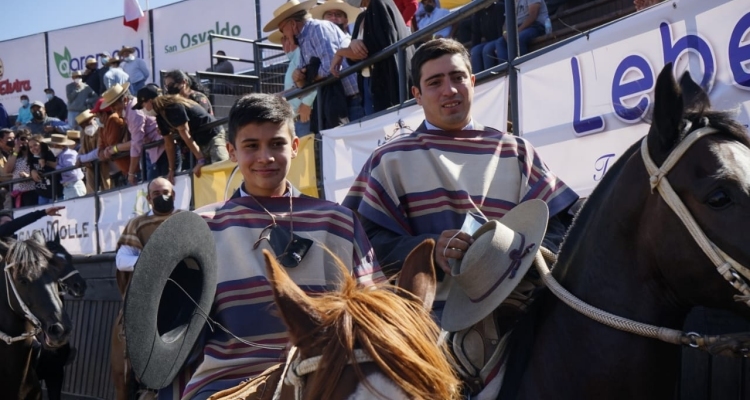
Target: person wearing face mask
89, 152
24, 112
23, 193
43, 124
91, 75
429, 12
115, 137
303, 116
41, 161
55, 106
72, 180
80, 97
179, 83
115, 74
136, 69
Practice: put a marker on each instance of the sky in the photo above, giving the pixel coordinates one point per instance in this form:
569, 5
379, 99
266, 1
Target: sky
24, 17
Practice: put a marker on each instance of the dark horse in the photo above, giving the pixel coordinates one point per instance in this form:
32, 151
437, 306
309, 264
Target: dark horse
628, 253
50, 365
29, 304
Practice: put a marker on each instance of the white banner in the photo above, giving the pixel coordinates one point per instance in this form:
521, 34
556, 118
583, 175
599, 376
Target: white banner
346, 149
181, 43
584, 104
76, 225
23, 70
69, 48
117, 208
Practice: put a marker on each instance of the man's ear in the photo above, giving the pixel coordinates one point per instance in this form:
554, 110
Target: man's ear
295, 146
417, 94
231, 150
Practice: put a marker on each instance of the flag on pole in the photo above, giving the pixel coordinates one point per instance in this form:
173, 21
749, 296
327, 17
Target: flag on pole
132, 15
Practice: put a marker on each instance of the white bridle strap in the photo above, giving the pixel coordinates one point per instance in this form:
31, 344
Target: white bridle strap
730, 269
71, 273
27, 314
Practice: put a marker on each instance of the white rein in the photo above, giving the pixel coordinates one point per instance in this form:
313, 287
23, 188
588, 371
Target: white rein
26, 312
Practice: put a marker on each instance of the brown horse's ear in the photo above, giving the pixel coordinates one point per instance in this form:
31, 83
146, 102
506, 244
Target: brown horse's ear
693, 95
418, 273
297, 311
668, 115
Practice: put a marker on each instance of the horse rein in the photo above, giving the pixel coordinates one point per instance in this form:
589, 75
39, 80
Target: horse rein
296, 368
729, 269
70, 274
27, 314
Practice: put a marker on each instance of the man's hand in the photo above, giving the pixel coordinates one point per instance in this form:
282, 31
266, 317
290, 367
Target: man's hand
54, 211
304, 112
299, 77
35, 176
336, 65
132, 179
49, 129
170, 176
452, 243
359, 48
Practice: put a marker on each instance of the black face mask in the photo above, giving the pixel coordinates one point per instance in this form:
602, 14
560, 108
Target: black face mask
164, 204
173, 89
10, 143
37, 114
427, 8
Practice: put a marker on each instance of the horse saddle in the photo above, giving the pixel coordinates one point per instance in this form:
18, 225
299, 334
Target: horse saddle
261, 387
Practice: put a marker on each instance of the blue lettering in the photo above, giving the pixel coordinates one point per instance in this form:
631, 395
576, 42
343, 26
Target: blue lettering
601, 164
582, 126
673, 51
183, 42
632, 88
739, 56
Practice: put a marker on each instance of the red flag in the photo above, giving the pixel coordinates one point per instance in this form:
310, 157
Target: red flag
132, 14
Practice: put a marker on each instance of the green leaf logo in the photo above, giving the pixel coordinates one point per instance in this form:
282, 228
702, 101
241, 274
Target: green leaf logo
63, 63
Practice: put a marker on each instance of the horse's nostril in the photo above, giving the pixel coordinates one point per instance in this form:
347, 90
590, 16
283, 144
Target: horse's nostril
55, 330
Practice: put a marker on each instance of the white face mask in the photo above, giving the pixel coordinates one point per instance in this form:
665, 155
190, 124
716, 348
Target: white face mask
90, 130
131, 57
56, 151
150, 113
50, 96
96, 122
77, 80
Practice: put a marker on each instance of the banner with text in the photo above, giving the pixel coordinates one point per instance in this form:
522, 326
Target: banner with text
117, 208
23, 70
69, 48
346, 149
76, 225
583, 104
185, 46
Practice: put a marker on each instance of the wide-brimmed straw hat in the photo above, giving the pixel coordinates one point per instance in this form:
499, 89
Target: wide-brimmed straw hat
287, 10
502, 252
351, 11
73, 135
84, 116
275, 37
115, 92
58, 139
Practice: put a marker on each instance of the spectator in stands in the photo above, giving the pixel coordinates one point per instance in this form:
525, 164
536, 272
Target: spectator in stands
642, 4
302, 107
41, 161
55, 106
80, 97
91, 75
43, 124
530, 18
135, 67
89, 152
176, 114
24, 112
486, 28
115, 74
375, 29
318, 41
430, 12
104, 58
72, 180
115, 137
7, 142
337, 11
4, 118
407, 8
75, 136
24, 193
9, 226
222, 66
179, 83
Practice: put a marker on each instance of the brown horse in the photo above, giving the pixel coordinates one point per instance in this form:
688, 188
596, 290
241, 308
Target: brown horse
359, 343
630, 254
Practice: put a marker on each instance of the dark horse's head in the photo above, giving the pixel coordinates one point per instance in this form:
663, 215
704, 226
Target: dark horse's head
70, 279
30, 268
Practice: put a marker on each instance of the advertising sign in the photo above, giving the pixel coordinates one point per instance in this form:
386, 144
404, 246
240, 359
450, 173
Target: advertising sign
23, 70
76, 225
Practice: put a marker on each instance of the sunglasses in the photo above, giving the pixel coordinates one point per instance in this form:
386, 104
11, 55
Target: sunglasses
289, 248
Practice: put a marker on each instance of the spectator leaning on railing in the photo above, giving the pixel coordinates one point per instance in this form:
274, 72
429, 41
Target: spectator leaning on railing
42, 161
303, 107
115, 137
24, 193
179, 83
72, 180
89, 152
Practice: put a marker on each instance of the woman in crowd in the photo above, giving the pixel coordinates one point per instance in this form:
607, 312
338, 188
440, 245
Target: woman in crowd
41, 160
24, 193
178, 82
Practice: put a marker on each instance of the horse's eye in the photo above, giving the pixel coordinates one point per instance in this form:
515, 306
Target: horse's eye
718, 199
23, 281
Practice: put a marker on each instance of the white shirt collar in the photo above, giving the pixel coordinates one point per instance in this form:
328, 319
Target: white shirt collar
287, 193
468, 127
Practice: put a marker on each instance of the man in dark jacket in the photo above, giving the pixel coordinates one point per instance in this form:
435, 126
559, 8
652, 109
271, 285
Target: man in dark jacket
55, 106
9, 226
92, 77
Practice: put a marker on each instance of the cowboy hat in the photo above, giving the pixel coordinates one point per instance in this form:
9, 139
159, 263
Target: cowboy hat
127, 50
76, 74
98, 106
73, 135
286, 10
276, 37
494, 264
320, 10
113, 93
84, 116
162, 323
58, 139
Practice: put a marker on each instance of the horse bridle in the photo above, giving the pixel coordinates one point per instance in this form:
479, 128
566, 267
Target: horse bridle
732, 271
26, 312
296, 368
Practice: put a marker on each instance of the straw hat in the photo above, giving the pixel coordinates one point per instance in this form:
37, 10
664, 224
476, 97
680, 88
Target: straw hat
90, 60
84, 116
74, 135
494, 264
275, 37
287, 10
114, 93
58, 139
351, 11
76, 74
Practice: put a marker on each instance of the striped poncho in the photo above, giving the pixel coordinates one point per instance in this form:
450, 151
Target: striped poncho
244, 300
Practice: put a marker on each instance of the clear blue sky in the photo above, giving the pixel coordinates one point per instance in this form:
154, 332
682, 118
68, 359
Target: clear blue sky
27, 17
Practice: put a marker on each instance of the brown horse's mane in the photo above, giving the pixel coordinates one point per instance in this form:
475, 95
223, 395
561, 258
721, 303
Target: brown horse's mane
398, 333
31, 258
